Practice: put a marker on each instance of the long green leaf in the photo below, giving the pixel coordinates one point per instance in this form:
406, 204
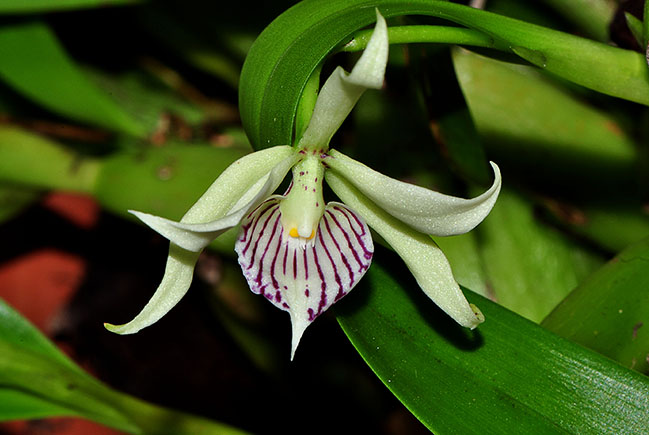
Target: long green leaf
609, 312
39, 381
36, 65
509, 375
288, 51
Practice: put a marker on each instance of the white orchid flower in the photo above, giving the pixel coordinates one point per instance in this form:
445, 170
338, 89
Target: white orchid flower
301, 254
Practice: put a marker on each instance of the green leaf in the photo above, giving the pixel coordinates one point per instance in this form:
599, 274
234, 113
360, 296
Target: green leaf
508, 373
39, 381
17, 405
285, 55
40, 6
530, 266
533, 126
36, 65
609, 312
635, 26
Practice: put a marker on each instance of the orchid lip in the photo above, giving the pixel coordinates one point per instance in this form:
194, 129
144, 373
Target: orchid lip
303, 278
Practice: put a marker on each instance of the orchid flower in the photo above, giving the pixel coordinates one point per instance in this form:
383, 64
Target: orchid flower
304, 255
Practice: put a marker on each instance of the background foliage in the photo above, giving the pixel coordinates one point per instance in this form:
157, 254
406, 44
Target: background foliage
137, 105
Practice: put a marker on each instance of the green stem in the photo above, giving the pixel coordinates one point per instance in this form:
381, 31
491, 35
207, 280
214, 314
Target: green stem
427, 34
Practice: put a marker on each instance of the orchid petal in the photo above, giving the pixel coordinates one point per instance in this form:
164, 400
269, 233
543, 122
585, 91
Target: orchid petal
177, 278
423, 257
424, 210
237, 197
341, 91
303, 277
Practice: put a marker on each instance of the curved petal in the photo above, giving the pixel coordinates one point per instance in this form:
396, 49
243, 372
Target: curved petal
303, 278
425, 210
177, 278
231, 185
341, 91
422, 256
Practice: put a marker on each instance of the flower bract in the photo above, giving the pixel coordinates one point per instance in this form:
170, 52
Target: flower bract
301, 253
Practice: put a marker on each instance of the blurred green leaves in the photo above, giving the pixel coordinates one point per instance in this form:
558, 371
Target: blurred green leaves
570, 157
36, 65
37, 381
39, 6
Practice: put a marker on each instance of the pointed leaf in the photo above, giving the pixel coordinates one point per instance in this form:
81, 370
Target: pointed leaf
609, 312
508, 374
36, 65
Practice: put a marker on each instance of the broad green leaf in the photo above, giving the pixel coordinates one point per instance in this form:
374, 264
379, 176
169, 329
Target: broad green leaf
609, 312
288, 51
40, 381
507, 375
539, 128
39, 6
530, 266
35, 64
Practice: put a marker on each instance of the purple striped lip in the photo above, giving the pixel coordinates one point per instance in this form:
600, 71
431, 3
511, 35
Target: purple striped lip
306, 278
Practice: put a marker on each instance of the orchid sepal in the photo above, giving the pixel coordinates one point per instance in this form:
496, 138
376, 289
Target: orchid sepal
419, 252
179, 272
195, 236
423, 209
342, 90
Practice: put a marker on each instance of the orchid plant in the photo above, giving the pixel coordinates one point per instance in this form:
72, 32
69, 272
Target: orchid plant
304, 255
